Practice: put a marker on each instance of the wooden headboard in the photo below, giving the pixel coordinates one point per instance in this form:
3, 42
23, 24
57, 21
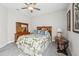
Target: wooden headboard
21, 29
45, 28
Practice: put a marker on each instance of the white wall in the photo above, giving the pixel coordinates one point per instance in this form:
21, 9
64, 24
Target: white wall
3, 25
8, 19
73, 38
54, 19
13, 17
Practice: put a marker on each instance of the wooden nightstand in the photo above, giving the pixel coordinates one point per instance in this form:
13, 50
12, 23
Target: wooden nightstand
62, 45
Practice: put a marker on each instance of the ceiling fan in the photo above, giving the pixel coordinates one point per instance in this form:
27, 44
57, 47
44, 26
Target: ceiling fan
31, 7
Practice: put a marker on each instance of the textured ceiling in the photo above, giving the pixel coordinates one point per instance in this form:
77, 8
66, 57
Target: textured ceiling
44, 7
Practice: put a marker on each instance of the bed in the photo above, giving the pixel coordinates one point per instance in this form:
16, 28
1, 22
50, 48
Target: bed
35, 44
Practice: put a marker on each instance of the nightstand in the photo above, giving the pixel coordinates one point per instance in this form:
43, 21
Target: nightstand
62, 45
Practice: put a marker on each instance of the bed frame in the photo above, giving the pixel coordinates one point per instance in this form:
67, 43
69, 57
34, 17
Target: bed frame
21, 29
45, 28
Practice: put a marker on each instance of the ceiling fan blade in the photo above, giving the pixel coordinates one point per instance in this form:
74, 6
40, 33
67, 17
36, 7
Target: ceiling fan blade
24, 8
26, 3
34, 3
37, 8
30, 3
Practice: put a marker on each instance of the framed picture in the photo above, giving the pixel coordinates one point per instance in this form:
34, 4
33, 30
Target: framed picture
69, 20
75, 11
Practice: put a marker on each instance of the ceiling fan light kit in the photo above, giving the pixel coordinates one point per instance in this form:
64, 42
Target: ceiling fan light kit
31, 7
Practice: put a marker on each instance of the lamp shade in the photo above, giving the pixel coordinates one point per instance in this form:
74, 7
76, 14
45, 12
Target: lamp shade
30, 8
59, 30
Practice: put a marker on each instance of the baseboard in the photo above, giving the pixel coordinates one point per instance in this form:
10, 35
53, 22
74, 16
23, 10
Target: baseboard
6, 44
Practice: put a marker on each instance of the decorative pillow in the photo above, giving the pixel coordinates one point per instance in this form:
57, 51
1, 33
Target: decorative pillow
35, 31
47, 33
41, 32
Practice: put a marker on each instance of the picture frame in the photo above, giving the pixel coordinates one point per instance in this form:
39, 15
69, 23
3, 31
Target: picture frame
69, 20
75, 12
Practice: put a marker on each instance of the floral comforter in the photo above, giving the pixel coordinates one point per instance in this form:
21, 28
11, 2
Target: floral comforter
33, 44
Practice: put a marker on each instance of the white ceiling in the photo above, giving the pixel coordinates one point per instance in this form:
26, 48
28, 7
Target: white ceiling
44, 7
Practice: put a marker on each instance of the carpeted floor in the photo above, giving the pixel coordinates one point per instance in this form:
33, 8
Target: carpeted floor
12, 50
